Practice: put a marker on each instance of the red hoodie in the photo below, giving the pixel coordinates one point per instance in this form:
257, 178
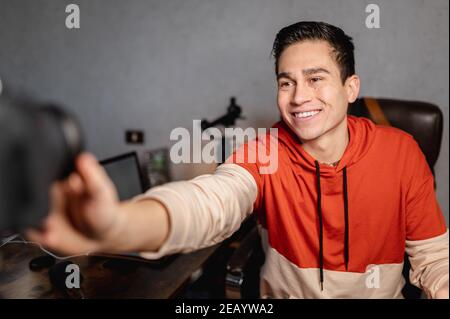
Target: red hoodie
345, 218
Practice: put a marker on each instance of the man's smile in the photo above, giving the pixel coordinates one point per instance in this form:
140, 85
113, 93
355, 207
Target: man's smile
300, 117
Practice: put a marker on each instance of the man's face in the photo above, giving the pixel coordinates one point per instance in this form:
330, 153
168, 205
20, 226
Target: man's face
311, 97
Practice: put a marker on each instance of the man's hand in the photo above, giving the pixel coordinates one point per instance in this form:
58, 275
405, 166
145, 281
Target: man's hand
84, 213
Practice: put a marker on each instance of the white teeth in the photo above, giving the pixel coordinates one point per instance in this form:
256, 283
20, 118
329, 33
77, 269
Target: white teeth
306, 114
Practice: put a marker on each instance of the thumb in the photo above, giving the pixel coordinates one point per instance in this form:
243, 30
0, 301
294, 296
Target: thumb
97, 183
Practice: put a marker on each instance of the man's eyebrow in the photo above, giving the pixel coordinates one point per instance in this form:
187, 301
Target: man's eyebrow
314, 71
284, 75
305, 72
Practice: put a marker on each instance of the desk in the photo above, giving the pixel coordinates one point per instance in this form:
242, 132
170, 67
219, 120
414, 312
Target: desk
127, 279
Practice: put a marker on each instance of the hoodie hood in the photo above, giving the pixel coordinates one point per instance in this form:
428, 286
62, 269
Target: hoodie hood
361, 136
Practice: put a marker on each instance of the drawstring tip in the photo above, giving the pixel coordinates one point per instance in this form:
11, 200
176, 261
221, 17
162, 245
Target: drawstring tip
321, 286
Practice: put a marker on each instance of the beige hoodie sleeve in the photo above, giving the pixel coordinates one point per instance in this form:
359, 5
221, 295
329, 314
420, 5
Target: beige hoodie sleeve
205, 210
429, 263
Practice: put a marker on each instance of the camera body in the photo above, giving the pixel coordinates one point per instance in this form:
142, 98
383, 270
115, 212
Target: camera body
38, 145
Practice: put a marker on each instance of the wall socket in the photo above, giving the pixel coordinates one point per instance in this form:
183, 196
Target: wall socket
134, 137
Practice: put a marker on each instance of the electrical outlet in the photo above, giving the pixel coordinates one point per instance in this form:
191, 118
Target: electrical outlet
134, 137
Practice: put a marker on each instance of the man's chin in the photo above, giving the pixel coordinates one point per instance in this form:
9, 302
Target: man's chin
305, 136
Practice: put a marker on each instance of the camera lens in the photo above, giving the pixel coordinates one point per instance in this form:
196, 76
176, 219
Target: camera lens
69, 143
38, 146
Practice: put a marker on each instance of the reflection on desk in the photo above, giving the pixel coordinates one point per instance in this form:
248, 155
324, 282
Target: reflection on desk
103, 277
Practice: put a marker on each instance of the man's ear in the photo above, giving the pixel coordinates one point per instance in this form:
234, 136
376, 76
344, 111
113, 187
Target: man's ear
352, 85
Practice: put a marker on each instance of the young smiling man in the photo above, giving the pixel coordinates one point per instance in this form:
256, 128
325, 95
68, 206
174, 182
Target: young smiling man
347, 196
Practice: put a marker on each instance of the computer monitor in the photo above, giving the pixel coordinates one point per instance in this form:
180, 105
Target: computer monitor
125, 173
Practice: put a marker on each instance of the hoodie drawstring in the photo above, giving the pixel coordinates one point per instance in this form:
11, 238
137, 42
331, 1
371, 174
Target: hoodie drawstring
346, 250
319, 209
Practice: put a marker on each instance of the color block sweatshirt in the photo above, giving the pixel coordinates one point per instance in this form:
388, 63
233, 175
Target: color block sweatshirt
327, 232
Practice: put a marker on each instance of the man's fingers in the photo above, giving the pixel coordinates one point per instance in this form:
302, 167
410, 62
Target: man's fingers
60, 237
73, 194
35, 236
57, 198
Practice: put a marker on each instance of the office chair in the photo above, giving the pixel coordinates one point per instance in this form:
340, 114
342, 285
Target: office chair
424, 121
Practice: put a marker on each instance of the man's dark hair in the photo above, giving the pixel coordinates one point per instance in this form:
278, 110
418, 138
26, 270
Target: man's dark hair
309, 30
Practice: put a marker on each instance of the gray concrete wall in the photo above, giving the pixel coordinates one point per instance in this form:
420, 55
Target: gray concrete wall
156, 65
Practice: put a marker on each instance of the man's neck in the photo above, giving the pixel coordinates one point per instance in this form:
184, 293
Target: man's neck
329, 147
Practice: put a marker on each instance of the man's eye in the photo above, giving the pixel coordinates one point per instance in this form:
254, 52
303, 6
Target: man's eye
285, 84
315, 79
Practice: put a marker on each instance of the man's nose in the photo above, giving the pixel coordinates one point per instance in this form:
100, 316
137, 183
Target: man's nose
303, 93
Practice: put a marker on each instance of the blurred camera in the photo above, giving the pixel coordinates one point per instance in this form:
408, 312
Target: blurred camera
38, 145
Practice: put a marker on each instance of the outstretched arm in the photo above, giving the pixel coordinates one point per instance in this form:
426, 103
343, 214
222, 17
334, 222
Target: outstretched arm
87, 217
